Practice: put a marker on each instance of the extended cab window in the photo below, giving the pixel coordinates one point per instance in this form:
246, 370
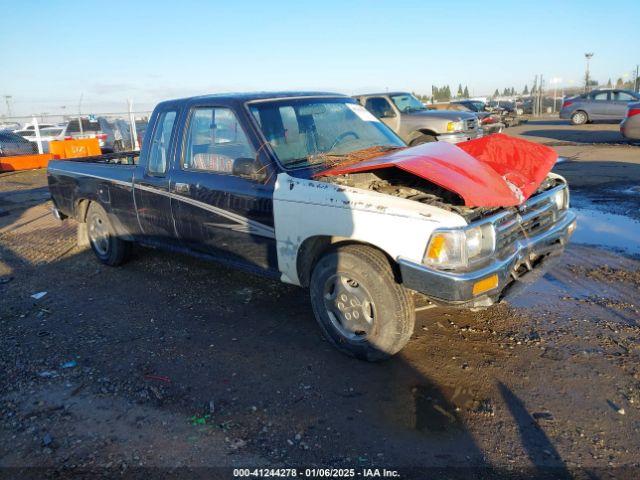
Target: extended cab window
160, 143
215, 141
379, 107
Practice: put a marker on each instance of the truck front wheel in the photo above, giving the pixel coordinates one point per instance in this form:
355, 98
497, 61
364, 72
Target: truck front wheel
109, 249
360, 307
423, 138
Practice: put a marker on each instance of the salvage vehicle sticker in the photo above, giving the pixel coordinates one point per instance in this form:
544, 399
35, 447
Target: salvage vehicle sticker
362, 112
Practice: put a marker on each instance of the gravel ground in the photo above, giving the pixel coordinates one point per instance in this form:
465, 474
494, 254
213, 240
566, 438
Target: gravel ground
168, 365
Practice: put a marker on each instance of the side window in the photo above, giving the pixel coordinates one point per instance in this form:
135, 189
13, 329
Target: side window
601, 97
622, 97
216, 142
160, 143
379, 107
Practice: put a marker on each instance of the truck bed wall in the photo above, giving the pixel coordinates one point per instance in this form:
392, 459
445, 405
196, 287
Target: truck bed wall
111, 185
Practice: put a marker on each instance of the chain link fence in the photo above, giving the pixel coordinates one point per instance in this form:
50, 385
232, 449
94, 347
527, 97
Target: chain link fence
116, 132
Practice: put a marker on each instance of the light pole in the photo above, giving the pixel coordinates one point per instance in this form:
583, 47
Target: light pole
7, 99
587, 79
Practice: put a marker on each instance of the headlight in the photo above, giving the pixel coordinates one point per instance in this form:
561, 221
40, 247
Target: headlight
456, 248
561, 199
455, 126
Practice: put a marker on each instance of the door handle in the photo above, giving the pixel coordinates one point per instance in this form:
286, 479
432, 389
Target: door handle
181, 187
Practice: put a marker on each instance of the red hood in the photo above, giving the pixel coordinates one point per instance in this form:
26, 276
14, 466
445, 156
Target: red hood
494, 171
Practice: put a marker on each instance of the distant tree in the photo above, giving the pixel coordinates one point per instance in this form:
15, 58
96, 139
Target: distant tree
619, 83
466, 92
459, 94
441, 94
505, 92
609, 84
496, 93
526, 90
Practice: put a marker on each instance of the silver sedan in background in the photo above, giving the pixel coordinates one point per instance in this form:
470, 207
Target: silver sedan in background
602, 104
630, 126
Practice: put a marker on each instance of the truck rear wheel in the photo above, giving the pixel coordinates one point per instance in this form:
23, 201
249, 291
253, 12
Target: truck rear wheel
359, 306
109, 249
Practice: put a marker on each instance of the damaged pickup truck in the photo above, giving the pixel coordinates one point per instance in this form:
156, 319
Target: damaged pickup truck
312, 189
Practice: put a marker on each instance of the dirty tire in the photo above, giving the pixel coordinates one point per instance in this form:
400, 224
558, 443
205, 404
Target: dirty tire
109, 249
424, 138
393, 313
579, 118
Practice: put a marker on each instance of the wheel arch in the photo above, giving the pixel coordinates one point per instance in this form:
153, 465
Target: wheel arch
81, 208
80, 215
419, 132
313, 248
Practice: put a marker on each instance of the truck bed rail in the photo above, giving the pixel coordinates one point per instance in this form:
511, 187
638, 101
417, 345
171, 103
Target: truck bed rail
125, 158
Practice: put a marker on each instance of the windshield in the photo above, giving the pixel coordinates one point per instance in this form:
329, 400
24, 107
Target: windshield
306, 131
407, 103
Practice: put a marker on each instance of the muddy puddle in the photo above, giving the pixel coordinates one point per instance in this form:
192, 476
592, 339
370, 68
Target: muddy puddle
599, 268
609, 230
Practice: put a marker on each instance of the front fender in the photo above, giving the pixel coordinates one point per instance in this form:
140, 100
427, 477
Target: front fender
307, 208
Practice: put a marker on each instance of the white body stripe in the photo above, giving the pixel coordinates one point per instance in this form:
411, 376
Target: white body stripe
308, 208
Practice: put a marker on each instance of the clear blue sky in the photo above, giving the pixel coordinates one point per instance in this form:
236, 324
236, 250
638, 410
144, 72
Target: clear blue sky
53, 51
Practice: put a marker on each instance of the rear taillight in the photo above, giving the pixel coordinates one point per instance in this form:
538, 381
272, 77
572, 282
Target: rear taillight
68, 137
566, 104
101, 136
633, 111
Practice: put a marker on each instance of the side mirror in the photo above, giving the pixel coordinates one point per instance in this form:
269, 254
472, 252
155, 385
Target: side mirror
249, 168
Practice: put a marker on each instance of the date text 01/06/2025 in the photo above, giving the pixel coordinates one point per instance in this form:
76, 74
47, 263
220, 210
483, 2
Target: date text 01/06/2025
315, 472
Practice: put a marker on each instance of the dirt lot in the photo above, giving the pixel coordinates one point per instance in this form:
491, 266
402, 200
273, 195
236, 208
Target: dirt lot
173, 363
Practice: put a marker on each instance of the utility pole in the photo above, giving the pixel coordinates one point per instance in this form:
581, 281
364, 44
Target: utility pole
534, 98
540, 96
637, 82
80, 114
7, 99
587, 78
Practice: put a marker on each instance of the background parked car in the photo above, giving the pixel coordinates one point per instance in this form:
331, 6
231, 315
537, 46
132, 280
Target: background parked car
30, 127
630, 126
13, 144
46, 135
415, 124
111, 129
489, 122
609, 104
9, 126
90, 129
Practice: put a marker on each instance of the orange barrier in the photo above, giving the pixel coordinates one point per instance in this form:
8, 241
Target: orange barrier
24, 162
85, 147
